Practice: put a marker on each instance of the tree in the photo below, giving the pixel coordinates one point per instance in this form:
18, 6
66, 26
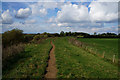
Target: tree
95, 33
69, 34
75, 34
62, 33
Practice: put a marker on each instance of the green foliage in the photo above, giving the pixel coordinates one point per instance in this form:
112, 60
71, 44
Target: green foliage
39, 37
28, 38
14, 36
62, 33
95, 33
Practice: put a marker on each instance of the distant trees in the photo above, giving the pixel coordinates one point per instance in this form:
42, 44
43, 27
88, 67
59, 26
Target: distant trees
28, 37
86, 35
95, 33
104, 35
16, 36
62, 33
75, 34
39, 37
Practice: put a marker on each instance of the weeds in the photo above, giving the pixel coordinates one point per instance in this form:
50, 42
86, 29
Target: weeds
11, 51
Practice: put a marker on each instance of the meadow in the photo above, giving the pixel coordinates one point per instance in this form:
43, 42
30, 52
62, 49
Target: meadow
106, 46
75, 62
71, 61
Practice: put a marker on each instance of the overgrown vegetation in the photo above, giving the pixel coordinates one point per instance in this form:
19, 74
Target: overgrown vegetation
12, 37
39, 38
10, 53
31, 63
12, 45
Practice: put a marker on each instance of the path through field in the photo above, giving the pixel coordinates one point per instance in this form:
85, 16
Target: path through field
51, 69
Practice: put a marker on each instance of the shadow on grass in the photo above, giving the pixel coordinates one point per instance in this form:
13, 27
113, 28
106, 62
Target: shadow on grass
12, 62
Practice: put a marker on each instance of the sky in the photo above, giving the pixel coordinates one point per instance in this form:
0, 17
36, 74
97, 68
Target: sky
53, 17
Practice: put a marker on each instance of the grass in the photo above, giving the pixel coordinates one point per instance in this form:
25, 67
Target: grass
74, 62
109, 46
71, 61
31, 63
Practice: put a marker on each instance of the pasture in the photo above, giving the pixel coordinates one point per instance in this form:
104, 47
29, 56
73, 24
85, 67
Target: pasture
71, 61
106, 46
75, 62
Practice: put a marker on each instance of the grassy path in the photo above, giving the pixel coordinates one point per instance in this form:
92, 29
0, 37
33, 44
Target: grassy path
51, 69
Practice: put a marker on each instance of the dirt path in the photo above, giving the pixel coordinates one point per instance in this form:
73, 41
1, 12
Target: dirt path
51, 69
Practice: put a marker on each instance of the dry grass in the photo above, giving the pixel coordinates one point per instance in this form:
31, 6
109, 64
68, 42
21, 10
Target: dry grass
12, 51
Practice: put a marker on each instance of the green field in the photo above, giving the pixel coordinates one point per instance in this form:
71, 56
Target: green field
74, 62
71, 61
104, 45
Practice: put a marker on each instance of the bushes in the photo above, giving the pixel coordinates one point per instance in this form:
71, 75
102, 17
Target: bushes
12, 37
28, 38
39, 38
12, 45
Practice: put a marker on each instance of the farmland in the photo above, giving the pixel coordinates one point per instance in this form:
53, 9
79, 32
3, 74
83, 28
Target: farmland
74, 62
71, 61
105, 45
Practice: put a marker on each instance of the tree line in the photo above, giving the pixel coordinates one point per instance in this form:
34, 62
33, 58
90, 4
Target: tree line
17, 36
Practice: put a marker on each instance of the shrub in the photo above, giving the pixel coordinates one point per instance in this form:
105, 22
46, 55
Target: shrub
28, 38
38, 38
14, 36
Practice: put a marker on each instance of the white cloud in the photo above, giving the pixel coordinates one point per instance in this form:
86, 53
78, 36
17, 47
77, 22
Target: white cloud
6, 17
108, 0
99, 12
41, 7
78, 17
23, 13
62, 24
113, 29
71, 13
59, 0
70, 17
103, 11
35, 8
30, 21
43, 12
80, 25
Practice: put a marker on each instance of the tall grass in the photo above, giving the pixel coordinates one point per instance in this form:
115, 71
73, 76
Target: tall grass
11, 51
31, 63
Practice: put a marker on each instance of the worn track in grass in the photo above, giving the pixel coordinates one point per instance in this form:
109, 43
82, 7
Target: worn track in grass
51, 69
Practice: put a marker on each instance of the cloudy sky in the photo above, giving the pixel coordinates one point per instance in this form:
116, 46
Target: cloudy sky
38, 17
